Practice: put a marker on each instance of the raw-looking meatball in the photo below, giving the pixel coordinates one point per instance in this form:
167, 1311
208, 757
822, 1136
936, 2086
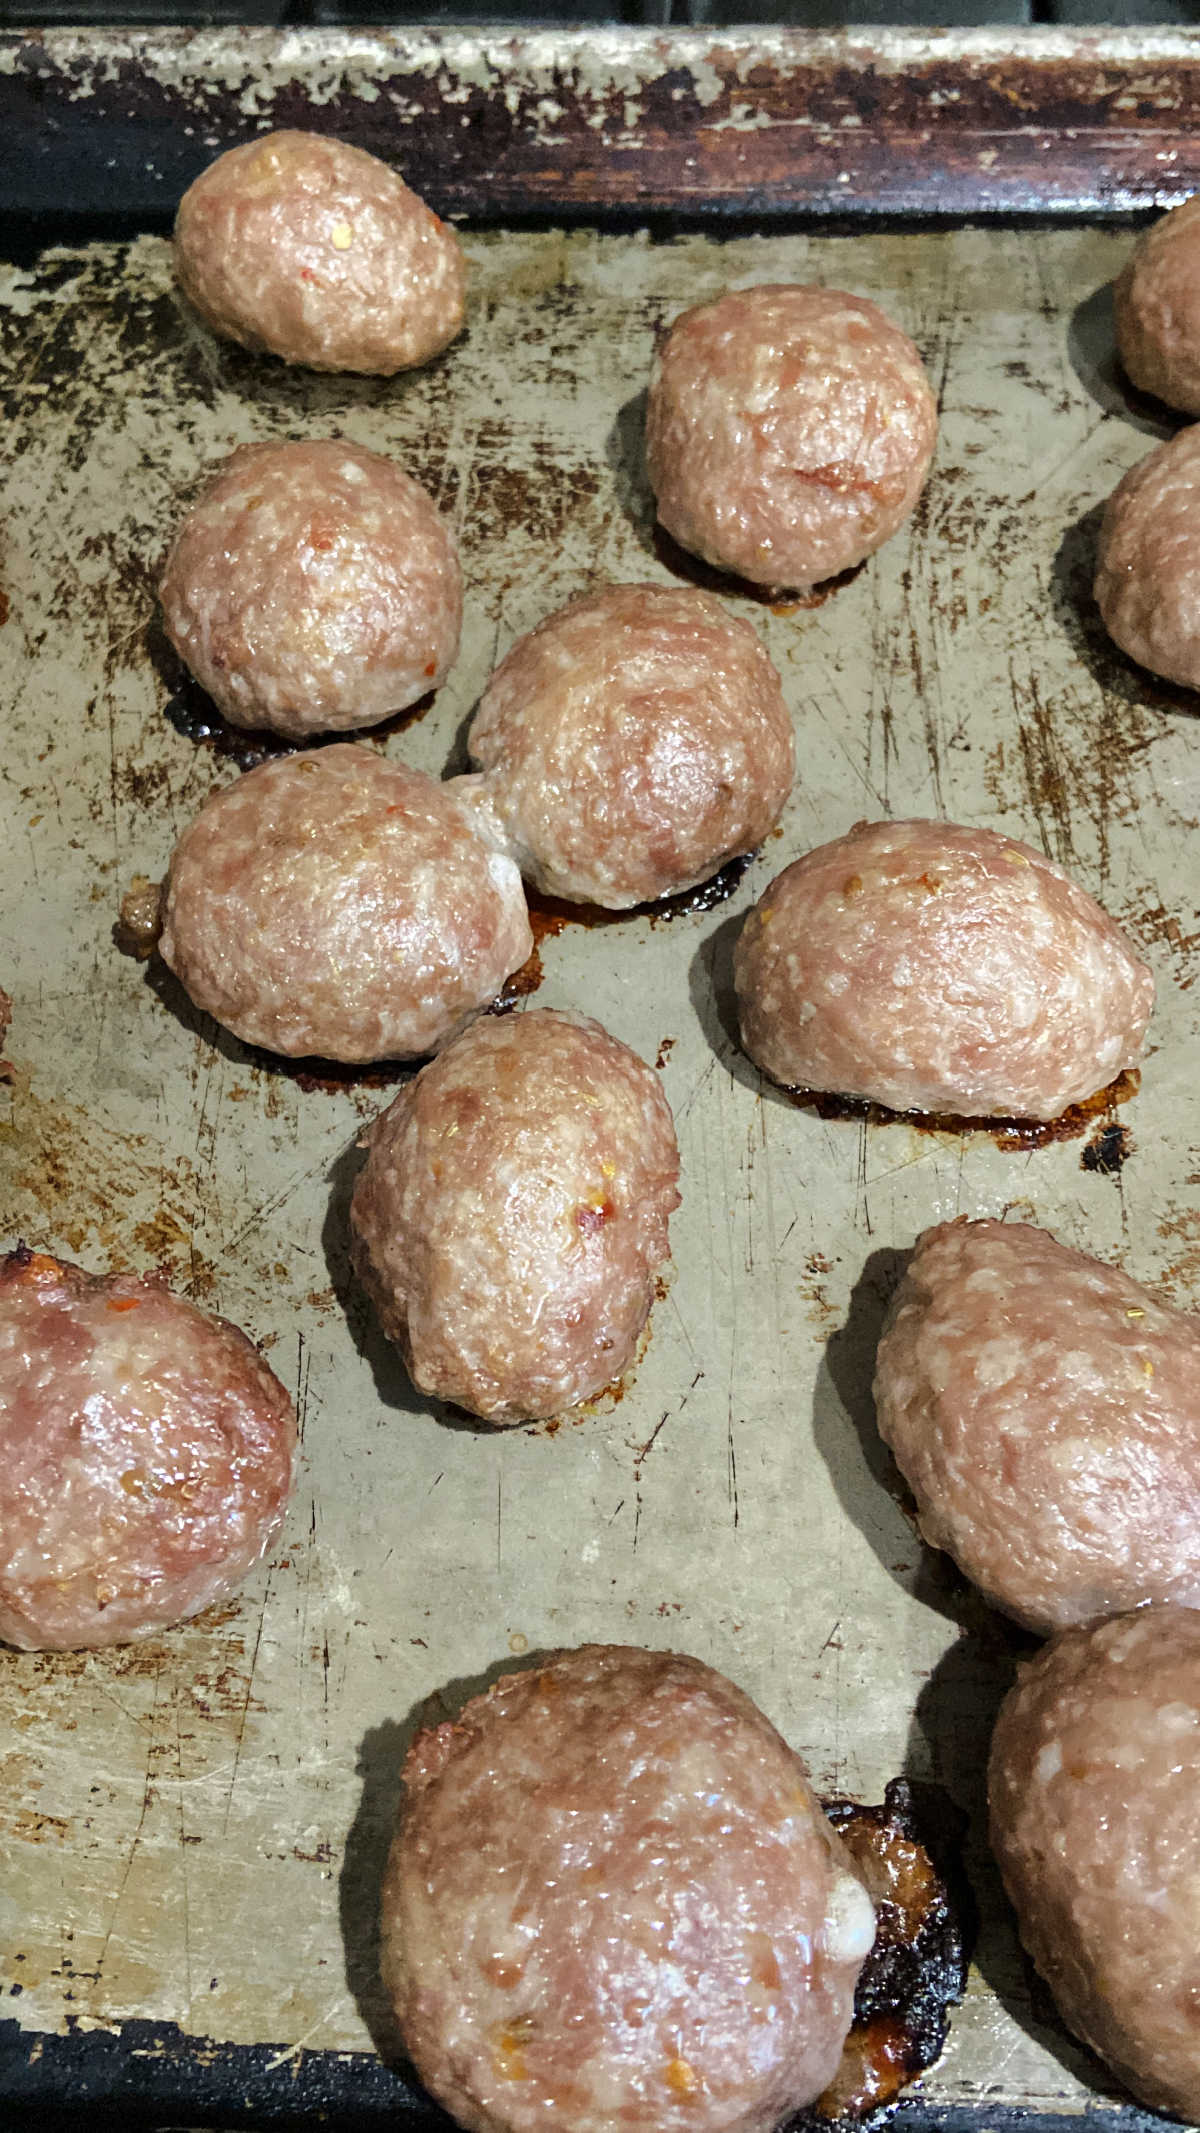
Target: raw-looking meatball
934, 968
634, 742
1156, 303
319, 253
1095, 1820
512, 1214
1043, 1409
612, 1900
789, 431
341, 904
145, 1456
1148, 561
313, 588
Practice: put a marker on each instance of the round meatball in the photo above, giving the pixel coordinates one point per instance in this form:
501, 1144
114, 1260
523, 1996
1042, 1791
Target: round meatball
1156, 303
146, 1456
1042, 1408
1148, 561
340, 904
789, 431
612, 1900
313, 588
1095, 1820
634, 742
934, 968
314, 251
512, 1214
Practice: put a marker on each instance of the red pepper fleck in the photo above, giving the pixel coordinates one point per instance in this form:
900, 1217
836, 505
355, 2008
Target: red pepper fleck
123, 1303
431, 666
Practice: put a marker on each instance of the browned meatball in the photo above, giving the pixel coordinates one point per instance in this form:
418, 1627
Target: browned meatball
612, 1900
146, 1456
1042, 1408
512, 1214
789, 431
634, 741
340, 904
313, 588
1157, 308
317, 252
1095, 1820
935, 968
1148, 561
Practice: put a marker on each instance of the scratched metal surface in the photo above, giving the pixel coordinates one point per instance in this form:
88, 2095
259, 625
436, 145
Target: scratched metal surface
191, 1829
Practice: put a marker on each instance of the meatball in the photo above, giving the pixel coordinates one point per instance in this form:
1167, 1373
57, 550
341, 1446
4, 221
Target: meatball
789, 431
935, 968
313, 588
314, 251
1042, 1408
147, 1456
634, 742
340, 904
1148, 561
1095, 1820
612, 1899
1156, 303
5, 1016
512, 1214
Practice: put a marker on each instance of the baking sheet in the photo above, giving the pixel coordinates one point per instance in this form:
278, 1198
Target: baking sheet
191, 1830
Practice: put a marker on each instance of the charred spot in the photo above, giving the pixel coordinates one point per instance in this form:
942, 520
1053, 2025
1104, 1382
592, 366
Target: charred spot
1010, 1134
909, 1853
1108, 1150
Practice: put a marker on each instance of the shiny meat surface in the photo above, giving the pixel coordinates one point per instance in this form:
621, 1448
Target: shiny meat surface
789, 431
313, 588
1042, 1408
612, 1900
634, 742
339, 904
1095, 1820
1156, 306
1148, 561
936, 968
317, 252
147, 1456
512, 1214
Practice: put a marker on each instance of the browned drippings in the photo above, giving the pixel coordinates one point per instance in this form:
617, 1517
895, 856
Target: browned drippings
331, 1076
194, 714
519, 984
549, 914
781, 599
1009, 1134
906, 1852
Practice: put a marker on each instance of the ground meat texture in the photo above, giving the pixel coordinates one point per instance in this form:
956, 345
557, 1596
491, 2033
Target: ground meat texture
935, 968
314, 251
1148, 561
1042, 1408
512, 1214
612, 1900
341, 905
1095, 1820
634, 743
789, 431
5, 1016
1156, 303
313, 588
147, 1456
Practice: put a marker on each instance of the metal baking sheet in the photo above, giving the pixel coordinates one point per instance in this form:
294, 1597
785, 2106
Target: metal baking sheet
191, 1830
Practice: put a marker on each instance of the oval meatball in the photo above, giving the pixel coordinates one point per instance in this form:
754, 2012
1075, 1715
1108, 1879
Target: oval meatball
1148, 561
512, 1214
635, 742
146, 1456
1095, 1821
343, 905
313, 588
1042, 1408
1156, 305
789, 431
930, 967
612, 1899
317, 252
